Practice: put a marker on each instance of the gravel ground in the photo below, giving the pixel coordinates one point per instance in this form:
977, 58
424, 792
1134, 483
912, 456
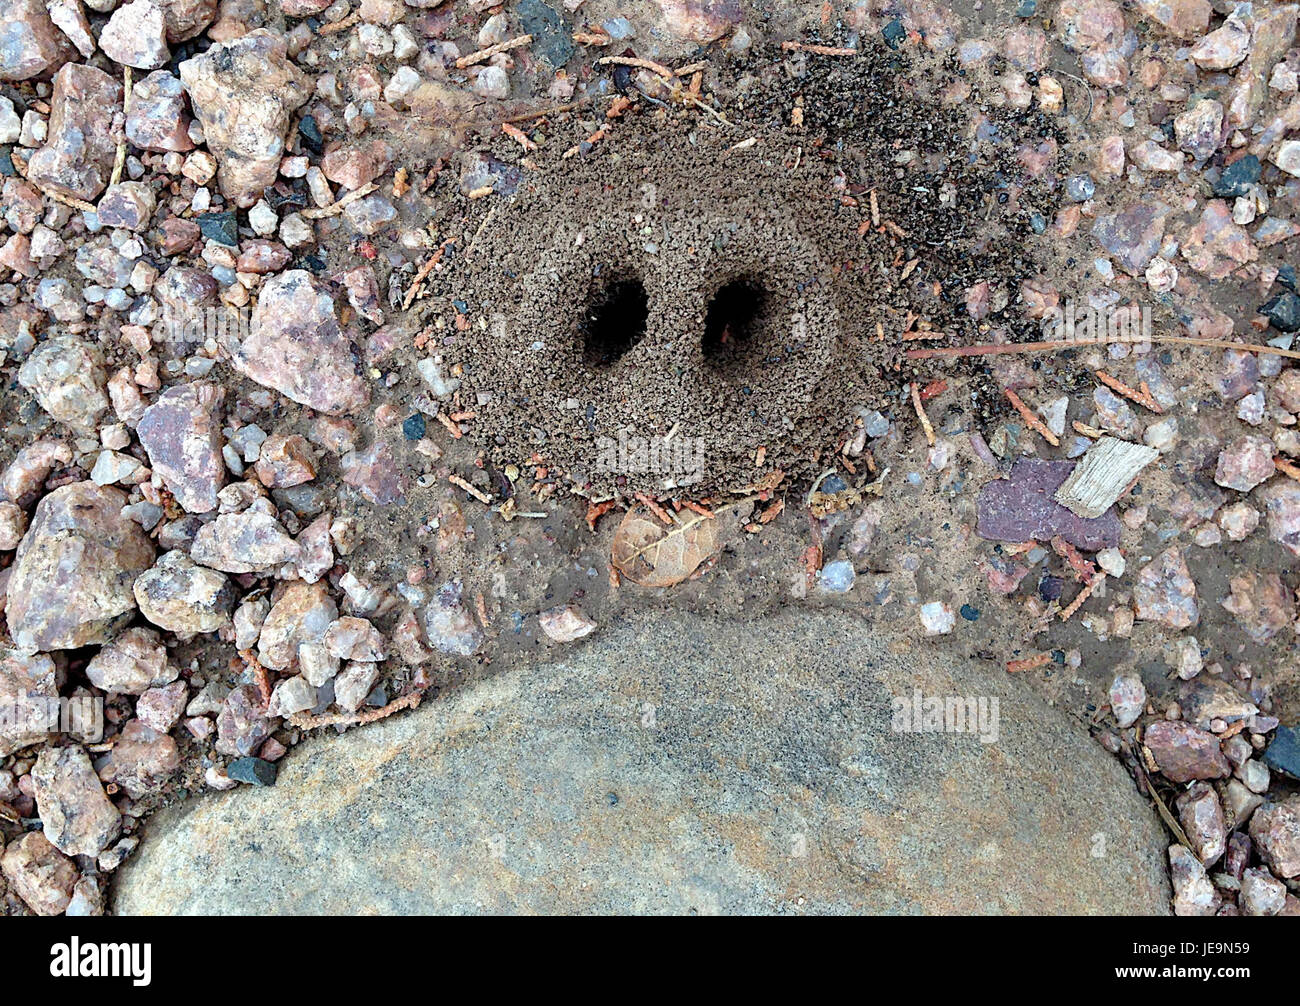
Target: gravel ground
354, 352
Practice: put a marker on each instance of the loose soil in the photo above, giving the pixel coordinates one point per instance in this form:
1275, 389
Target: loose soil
725, 280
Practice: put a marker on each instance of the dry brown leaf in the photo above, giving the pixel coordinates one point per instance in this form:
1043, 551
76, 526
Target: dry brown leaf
649, 554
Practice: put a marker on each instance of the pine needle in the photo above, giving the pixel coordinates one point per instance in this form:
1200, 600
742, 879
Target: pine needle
1001, 348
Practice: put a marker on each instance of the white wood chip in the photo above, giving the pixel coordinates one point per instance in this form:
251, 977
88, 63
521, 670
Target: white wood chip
1103, 475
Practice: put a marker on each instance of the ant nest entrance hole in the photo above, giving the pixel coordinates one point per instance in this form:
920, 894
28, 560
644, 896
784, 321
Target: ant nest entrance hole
743, 328
614, 322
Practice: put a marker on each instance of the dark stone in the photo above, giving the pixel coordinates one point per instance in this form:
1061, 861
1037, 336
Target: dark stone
894, 33
1283, 754
1027, 8
971, 614
1283, 312
312, 137
222, 228
312, 262
622, 78
1237, 177
832, 484
413, 428
552, 37
1021, 507
291, 197
1286, 276
307, 501
253, 771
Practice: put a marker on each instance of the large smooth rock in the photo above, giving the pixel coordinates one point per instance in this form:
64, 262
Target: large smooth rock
679, 765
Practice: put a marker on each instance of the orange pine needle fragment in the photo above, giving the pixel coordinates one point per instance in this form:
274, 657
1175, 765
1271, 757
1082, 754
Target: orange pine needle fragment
1082, 596
1081, 566
590, 141
477, 493
654, 508
920, 414
1031, 420
260, 677
1142, 396
1029, 663
305, 721
595, 511
703, 511
641, 64
812, 562
933, 390
483, 55
519, 136
423, 274
452, 428
766, 485
338, 26
818, 50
